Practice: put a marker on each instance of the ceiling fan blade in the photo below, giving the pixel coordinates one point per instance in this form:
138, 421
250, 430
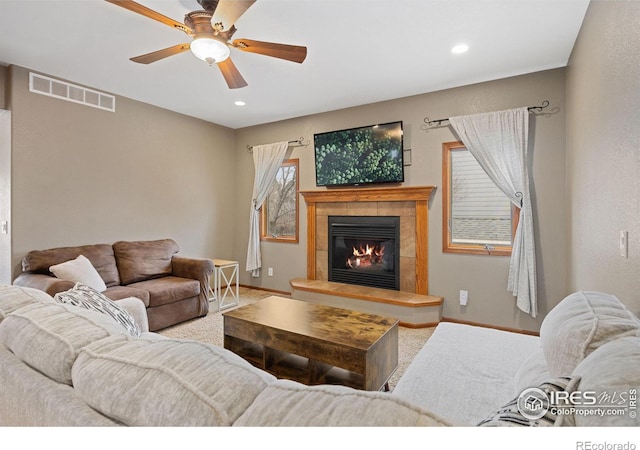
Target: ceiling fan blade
228, 11
160, 54
231, 74
293, 53
150, 13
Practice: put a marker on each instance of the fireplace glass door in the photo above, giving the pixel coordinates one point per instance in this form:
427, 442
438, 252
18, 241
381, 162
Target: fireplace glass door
365, 250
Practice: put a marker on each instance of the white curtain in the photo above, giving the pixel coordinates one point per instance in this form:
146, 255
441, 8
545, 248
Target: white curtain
499, 141
267, 159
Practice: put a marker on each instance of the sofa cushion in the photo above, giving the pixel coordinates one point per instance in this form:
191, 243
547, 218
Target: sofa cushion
612, 373
100, 255
28, 398
48, 337
287, 403
143, 260
478, 363
166, 382
13, 298
88, 298
533, 408
120, 292
79, 270
579, 324
167, 290
136, 310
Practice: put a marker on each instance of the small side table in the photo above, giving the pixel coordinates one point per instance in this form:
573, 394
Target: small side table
226, 271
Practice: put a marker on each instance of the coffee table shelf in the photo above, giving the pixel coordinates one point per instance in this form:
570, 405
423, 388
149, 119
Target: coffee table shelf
250, 351
293, 367
287, 365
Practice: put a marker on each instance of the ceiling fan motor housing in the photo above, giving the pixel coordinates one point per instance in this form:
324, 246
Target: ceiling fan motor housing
200, 23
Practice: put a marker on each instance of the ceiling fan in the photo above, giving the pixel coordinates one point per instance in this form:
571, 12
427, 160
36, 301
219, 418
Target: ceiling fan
211, 30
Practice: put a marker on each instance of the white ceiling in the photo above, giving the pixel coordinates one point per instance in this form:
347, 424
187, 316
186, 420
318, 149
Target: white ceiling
359, 51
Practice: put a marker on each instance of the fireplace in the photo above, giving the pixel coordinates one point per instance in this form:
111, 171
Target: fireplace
364, 250
410, 203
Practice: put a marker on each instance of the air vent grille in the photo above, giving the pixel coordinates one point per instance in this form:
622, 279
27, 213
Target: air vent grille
51, 87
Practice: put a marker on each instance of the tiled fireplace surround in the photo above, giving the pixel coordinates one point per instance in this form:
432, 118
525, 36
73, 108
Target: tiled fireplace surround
410, 203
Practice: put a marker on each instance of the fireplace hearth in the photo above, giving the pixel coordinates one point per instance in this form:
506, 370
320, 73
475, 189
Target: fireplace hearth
365, 250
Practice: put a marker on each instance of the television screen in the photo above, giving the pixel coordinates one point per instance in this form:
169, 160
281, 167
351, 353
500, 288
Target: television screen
365, 155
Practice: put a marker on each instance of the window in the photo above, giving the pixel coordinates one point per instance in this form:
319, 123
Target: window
477, 217
279, 213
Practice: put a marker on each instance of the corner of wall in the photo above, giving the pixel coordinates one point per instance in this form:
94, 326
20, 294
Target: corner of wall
4, 86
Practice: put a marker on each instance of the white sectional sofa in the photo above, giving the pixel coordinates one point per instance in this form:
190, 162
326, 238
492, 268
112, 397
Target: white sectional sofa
589, 344
63, 365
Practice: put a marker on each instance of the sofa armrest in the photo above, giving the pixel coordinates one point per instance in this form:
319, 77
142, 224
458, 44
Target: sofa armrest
197, 269
136, 308
50, 285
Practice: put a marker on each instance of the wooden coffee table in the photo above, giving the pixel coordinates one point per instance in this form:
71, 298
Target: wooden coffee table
314, 344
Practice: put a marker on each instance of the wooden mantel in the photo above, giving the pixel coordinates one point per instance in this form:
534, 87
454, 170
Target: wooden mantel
412, 193
419, 195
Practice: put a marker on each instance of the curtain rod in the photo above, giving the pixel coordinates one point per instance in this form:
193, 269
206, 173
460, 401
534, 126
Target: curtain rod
300, 142
530, 108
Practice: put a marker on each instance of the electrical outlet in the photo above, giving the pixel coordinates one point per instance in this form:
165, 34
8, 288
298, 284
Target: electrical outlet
270, 271
464, 298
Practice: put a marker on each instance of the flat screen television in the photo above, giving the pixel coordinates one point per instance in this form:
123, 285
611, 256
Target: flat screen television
357, 156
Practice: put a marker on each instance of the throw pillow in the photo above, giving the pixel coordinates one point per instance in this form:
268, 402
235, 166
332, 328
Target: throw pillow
88, 298
534, 407
79, 270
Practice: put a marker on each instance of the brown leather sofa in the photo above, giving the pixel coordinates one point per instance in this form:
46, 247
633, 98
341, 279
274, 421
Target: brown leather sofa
172, 287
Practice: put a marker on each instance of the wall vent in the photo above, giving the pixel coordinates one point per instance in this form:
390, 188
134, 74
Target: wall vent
51, 87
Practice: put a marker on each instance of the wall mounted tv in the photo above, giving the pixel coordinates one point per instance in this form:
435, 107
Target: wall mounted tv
357, 156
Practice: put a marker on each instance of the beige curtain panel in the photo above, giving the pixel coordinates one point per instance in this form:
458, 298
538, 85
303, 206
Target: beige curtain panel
499, 141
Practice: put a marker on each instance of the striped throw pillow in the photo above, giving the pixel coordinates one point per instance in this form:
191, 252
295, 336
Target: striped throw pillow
535, 407
86, 297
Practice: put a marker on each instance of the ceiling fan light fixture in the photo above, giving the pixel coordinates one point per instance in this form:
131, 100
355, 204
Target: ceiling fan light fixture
209, 50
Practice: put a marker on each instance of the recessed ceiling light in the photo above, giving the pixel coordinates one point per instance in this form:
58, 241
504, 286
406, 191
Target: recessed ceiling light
460, 48
239, 103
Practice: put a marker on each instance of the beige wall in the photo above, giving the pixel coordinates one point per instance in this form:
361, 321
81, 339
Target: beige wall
603, 151
484, 277
82, 175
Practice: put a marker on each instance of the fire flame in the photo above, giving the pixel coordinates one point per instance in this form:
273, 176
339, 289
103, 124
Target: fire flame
367, 256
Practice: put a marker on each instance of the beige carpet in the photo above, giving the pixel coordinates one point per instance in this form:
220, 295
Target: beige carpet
209, 329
